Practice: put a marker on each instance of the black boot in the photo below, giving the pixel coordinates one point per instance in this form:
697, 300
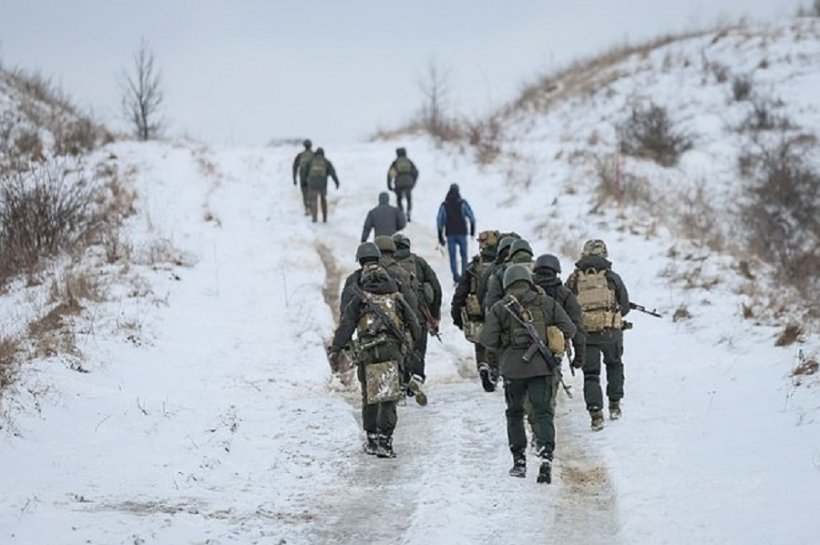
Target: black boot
519, 468
545, 471
372, 444
384, 447
488, 379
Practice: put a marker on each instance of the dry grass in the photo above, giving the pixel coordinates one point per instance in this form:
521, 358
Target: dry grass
790, 335
9, 353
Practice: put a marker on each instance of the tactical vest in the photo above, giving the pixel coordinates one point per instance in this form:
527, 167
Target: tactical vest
404, 172
305, 158
370, 324
519, 338
404, 166
317, 168
472, 304
599, 302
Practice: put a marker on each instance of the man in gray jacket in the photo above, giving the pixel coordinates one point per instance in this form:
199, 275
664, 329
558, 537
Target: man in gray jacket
384, 219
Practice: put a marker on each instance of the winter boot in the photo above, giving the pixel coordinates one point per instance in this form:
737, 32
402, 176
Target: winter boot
372, 443
384, 447
414, 386
519, 468
614, 410
597, 420
545, 470
488, 381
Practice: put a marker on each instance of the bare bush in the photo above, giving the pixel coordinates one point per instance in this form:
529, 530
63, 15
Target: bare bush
9, 351
742, 87
485, 137
41, 213
624, 188
782, 212
763, 117
649, 133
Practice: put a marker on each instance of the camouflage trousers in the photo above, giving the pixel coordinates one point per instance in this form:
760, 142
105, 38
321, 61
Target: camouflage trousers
305, 195
404, 193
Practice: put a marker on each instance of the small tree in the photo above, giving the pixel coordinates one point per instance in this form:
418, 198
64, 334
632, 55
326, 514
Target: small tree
142, 95
434, 86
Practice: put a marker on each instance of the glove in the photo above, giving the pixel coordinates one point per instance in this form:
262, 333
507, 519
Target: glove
294, 181
576, 363
333, 358
472, 231
390, 187
440, 239
337, 185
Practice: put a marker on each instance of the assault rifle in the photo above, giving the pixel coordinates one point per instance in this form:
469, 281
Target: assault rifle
537, 345
641, 308
431, 322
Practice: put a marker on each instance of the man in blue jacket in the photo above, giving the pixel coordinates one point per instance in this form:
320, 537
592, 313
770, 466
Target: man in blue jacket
453, 215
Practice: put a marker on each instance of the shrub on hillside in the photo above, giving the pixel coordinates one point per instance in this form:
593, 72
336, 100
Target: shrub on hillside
782, 211
742, 87
763, 116
649, 133
42, 213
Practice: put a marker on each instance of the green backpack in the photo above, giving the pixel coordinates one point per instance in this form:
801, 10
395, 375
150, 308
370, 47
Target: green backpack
318, 168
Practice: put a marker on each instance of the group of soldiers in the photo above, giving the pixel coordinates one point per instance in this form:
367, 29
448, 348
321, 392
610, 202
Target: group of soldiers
520, 315
515, 309
313, 170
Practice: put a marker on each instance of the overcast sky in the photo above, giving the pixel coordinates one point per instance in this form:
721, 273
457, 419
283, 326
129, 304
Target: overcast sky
248, 71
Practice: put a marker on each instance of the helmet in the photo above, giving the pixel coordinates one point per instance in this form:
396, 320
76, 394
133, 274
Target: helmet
401, 152
385, 244
320, 151
401, 240
487, 239
520, 245
367, 251
548, 261
595, 247
505, 243
307, 143
514, 273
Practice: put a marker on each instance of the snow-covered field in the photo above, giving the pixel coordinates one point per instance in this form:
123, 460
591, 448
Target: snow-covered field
209, 414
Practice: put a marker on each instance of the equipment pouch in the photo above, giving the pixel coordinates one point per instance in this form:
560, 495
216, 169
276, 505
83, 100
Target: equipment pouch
382, 382
555, 340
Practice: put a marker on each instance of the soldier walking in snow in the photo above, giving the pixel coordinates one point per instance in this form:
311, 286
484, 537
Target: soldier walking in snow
516, 326
300, 166
604, 301
318, 170
382, 321
384, 219
401, 178
467, 308
425, 282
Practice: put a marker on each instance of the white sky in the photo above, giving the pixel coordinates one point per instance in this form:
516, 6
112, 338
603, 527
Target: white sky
247, 71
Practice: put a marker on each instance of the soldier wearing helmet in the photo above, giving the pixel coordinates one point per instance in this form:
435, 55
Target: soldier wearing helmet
525, 377
604, 301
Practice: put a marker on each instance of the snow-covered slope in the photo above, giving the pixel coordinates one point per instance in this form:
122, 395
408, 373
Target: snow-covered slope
209, 414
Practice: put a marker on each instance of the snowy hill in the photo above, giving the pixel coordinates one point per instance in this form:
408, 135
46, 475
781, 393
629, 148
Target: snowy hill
203, 409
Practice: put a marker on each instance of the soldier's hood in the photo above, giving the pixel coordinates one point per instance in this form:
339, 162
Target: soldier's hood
378, 282
522, 291
546, 278
384, 198
593, 262
401, 254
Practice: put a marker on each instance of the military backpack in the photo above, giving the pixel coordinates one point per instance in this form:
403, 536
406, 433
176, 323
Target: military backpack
598, 300
317, 168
